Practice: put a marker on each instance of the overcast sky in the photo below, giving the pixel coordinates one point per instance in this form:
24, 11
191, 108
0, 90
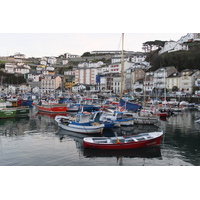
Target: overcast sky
52, 28
55, 44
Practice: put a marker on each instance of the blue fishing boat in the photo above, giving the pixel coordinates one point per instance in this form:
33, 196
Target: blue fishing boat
96, 117
119, 118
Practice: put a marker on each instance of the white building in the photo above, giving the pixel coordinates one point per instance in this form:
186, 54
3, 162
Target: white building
65, 62
85, 75
82, 88
148, 82
68, 55
23, 88
116, 84
160, 77
52, 60
19, 56
78, 88
43, 62
21, 70
117, 67
86, 72
34, 77
90, 64
10, 68
71, 72
186, 38
172, 46
102, 83
103, 70
118, 58
138, 58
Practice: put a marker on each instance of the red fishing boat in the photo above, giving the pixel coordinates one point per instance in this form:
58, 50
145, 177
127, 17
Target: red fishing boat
57, 108
51, 114
124, 142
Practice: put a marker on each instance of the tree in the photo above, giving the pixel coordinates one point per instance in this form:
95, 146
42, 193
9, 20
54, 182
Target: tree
149, 45
181, 60
86, 54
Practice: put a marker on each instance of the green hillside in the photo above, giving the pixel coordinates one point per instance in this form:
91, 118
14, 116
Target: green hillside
180, 59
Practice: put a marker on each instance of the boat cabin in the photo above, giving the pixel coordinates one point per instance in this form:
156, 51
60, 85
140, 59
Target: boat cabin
82, 117
95, 116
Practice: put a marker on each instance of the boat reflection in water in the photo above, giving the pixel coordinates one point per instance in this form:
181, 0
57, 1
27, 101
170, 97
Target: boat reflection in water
77, 137
11, 126
147, 152
52, 115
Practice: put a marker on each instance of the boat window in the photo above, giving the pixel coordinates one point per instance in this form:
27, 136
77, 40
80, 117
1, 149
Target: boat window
77, 118
91, 116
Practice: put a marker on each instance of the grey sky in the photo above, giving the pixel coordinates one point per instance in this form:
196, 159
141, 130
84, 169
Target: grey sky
55, 44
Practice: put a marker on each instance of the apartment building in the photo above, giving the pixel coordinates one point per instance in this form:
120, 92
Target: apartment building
148, 82
132, 75
160, 77
49, 83
173, 80
187, 80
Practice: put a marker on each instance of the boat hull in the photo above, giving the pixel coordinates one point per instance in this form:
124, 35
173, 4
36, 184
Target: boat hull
126, 122
122, 145
98, 129
145, 120
52, 109
7, 113
22, 111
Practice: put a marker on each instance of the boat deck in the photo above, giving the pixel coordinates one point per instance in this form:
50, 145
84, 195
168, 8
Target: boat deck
113, 140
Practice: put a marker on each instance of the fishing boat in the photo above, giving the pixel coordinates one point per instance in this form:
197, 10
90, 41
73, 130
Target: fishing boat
81, 123
7, 113
96, 117
22, 110
118, 118
145, 118
49, 114
124, 142
73, 107
141, 116
52, 108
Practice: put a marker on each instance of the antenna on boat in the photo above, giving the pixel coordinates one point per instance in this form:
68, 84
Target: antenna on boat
122, 68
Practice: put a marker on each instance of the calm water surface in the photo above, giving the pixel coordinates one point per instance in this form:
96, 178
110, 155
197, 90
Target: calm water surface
36, 140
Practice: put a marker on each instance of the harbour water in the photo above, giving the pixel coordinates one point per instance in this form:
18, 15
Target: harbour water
36, 140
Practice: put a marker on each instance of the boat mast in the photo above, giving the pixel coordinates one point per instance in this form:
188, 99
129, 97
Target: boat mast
144, 90
122, 68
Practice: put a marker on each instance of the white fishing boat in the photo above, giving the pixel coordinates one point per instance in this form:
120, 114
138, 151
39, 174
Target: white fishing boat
81, 123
